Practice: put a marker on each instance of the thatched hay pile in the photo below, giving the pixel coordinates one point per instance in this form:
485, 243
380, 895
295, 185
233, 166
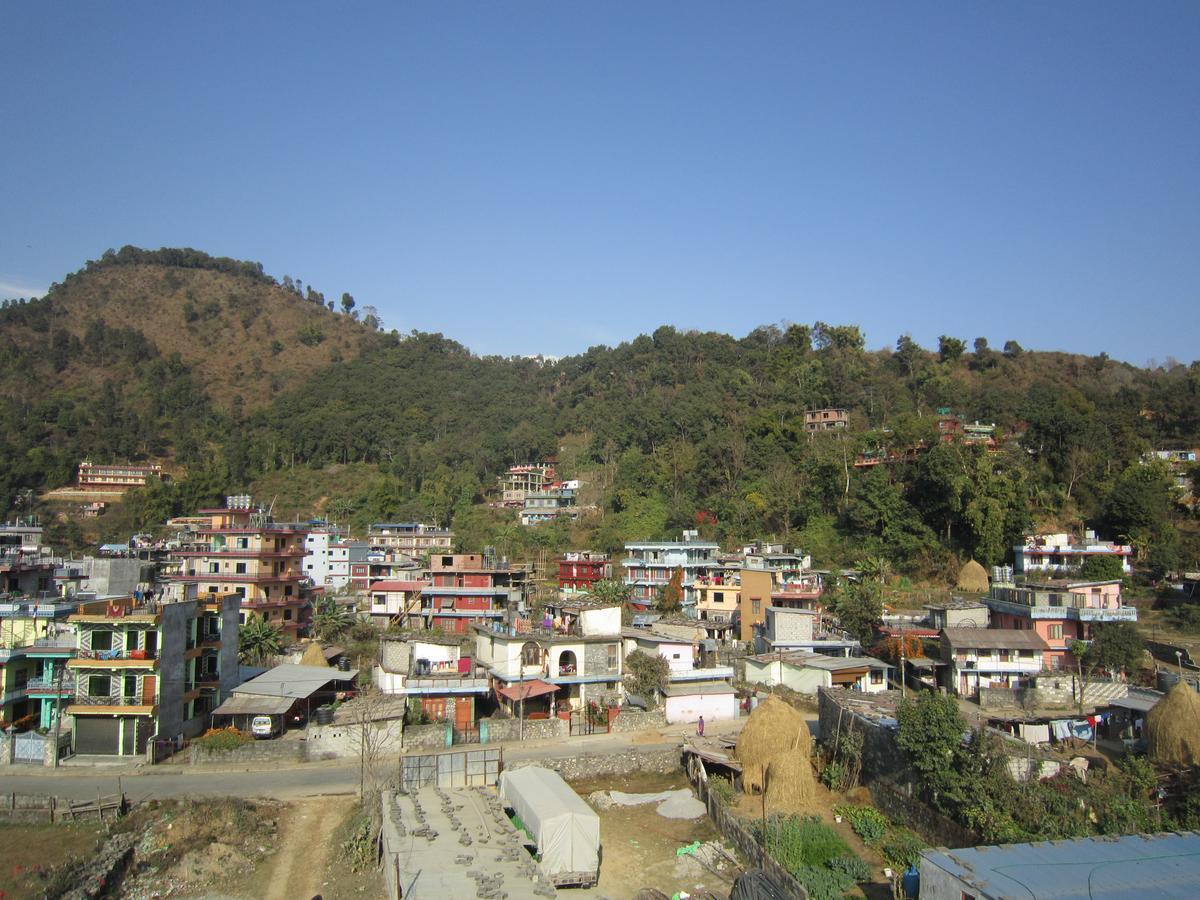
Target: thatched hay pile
973, 578
1173, 728
314, 656
790, 780
773, 728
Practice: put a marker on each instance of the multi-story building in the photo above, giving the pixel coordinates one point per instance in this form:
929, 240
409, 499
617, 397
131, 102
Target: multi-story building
1060, 611
519, 481
774, 558
990, 657
718, 596
35, 643
580, 659
579, 571
1061, 554
433, 672
396, 602
696, 685
650, 565
555, 502
115, 478
27, 568
243, 551
411, 538
324, 550
469, 588
826, 420
1180, 466
149, 671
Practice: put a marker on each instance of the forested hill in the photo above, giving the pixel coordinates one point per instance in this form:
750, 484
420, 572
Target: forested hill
670, 428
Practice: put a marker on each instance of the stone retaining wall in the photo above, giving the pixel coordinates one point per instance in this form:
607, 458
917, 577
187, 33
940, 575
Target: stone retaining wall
259, 751
639, 720
588, 765
898, 804
426, 737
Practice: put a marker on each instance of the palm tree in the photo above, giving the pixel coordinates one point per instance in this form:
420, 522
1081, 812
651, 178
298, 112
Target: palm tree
258, 640
331, 619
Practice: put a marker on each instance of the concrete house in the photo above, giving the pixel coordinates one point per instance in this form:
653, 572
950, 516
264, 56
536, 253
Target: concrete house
806, 672
694, 689
431, 670
990, 657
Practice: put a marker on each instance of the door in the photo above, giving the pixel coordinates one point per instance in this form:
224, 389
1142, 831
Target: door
97, 734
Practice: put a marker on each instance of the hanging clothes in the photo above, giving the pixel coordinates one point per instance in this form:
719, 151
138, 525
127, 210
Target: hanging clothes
1036, 734
1061, 729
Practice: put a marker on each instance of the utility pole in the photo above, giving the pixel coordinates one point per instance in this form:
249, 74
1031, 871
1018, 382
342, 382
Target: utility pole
57, 703
903, 649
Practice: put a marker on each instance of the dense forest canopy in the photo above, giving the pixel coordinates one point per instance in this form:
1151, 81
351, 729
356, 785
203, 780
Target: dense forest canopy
671, 428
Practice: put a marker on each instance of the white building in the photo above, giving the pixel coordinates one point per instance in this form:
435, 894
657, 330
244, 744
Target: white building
694, 689
318, 553
1060, 554
806, 672
991, 657
650, 565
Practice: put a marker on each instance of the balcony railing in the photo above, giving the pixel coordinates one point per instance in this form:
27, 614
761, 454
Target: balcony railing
53, 684
111, 700
107, 655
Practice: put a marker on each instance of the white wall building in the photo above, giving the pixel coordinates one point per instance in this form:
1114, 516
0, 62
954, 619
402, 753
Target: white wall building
650, 565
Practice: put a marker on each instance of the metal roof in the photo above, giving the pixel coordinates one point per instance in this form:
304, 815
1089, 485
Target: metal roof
693, 688
297, 682
1116, 868
995, 638
253, 705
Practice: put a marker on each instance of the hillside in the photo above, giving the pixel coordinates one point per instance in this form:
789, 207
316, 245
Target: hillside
143, 355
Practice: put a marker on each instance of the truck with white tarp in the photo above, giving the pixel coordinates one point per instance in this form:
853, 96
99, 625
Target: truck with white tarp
566, 829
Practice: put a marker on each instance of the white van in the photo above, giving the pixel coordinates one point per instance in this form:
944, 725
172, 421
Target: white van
263, 727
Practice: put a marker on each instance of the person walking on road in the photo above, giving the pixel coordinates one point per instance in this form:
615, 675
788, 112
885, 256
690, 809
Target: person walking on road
700, 727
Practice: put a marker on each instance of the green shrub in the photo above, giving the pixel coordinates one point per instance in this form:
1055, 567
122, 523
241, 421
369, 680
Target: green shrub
852, 867
794, 842
868, 823
902, 848
723, 789
822, 882
223, 739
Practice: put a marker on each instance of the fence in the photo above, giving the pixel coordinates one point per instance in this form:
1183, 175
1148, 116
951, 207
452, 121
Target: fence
44, 808
733, 831
461, 768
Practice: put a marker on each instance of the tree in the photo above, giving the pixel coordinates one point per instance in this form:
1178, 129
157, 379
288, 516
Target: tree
859, 608
951, 349
1105, 567
647, 675
931, 730
332, 619
670, 598
610, 591
1012, 349
347, 303
1117, 647
258, 641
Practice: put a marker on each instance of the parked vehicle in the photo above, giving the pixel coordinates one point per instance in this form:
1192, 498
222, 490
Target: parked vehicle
264, 727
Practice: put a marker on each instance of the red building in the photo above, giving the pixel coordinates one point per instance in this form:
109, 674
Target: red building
577, 572
468, 588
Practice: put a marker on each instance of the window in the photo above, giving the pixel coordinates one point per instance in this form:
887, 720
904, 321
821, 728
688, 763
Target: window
447, 560
755, 606
287, 591
718, 597
212, 589
214, 568
243, 543
287, 615
129, 686
876, 677
240, 568
1055, 632
98, 686
674, 656
612, 656
102, 640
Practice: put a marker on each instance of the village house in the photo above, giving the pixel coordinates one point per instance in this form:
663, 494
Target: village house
571, 659
519, 481
148, 670
957, 613
116, 478
580, 570
806, 672
287, 693
243, 551
412, 538
1063, 554
465, 589
398, 603
990, 657
431, 671
816, 420
1060, 611
650, 565
554, 502
697, 685
35, 643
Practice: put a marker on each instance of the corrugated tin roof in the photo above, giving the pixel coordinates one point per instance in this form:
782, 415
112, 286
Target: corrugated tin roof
691, 688
297, 682
254, 705
996, 638
1116, 868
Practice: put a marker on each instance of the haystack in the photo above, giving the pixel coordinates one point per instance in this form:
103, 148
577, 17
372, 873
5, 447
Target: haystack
314, 656
973, 578
1173, 728
790, 780
773, 728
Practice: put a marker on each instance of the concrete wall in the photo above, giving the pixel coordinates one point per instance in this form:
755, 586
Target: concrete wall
587, 766
172, 667
789, 624
227, 658
339, 741
899, 803
881, 758
938, 884
427, 737
690, 707
639, 720
112, 575
259, 751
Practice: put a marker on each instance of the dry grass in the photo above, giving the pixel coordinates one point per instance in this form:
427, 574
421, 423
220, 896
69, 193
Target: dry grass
1173, 728
790, 779
973, 578
773, 728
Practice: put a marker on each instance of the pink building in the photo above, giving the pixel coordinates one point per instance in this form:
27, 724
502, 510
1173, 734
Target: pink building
1060, 611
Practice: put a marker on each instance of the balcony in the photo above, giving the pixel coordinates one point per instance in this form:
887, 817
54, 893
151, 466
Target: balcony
116, 659
112, 700
52, 685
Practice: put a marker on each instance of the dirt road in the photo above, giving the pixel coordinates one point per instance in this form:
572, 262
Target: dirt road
305, 842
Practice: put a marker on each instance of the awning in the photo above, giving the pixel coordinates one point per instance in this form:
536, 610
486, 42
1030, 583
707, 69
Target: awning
524, 690
254, 705
848, 676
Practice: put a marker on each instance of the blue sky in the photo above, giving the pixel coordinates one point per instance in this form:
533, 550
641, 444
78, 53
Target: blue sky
542, 177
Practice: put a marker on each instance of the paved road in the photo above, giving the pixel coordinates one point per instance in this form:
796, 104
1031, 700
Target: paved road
79, 782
